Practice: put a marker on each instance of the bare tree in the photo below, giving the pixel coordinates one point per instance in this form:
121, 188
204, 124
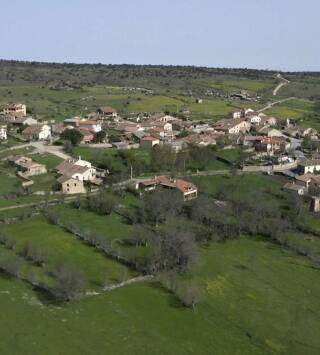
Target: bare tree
69, 282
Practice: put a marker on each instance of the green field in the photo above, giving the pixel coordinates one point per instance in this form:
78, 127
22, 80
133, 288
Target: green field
112, 226
64, 247
291, 109
243, 183
62, 104
49, 160
250, 306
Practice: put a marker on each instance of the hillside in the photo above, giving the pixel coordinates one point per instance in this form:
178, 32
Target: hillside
57, 91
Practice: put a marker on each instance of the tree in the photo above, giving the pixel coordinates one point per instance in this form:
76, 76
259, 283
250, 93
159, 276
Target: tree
141, 235
160, 204
172, 250
162, 158
99, 137
68, 147
72, 135
103, 203
69, 282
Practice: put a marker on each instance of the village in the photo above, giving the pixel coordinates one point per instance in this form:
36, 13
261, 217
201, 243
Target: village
269, 145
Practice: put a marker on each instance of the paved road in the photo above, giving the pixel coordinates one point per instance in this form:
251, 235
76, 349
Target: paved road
283, 83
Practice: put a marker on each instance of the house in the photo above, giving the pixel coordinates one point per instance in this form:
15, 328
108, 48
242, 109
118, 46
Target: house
90, 125
148, 142
248, 112
270, 132
309, 166
232, 126
270, 145
238, 114
160, 133
28, 167
37, 132
179, 125
308, 132
254, 118
87, 136
267, 121
308, 180
77, 169
251, 140
57, 129
81, 123
107, 112
201, 139
69, 185
292, 187
304, 180
3, 132
177, 145
161, 118
201, 128
294, 132
187, 190
15, 109
21, 121
72, 122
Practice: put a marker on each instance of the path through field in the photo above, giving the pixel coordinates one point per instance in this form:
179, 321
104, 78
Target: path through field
270, 104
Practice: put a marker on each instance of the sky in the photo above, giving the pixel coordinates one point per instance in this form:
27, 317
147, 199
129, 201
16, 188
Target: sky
262, 34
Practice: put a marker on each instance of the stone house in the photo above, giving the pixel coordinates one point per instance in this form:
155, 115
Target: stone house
37, 132
148, 142
28, 167
68, 185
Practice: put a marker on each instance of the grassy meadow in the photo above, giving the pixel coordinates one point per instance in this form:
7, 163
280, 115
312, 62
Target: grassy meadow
249, 306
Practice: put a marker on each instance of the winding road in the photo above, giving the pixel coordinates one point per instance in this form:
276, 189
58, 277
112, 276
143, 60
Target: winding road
284, 82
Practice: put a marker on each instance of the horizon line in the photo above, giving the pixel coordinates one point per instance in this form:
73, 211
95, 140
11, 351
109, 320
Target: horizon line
159, 65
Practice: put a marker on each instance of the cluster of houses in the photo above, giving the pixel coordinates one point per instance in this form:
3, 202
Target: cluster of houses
305, 177
262, 135
15, 116
265, 135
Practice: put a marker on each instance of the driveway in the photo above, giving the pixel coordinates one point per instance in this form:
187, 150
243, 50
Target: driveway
41, 147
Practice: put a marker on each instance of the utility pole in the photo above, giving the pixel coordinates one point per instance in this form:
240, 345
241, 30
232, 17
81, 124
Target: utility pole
131, 172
